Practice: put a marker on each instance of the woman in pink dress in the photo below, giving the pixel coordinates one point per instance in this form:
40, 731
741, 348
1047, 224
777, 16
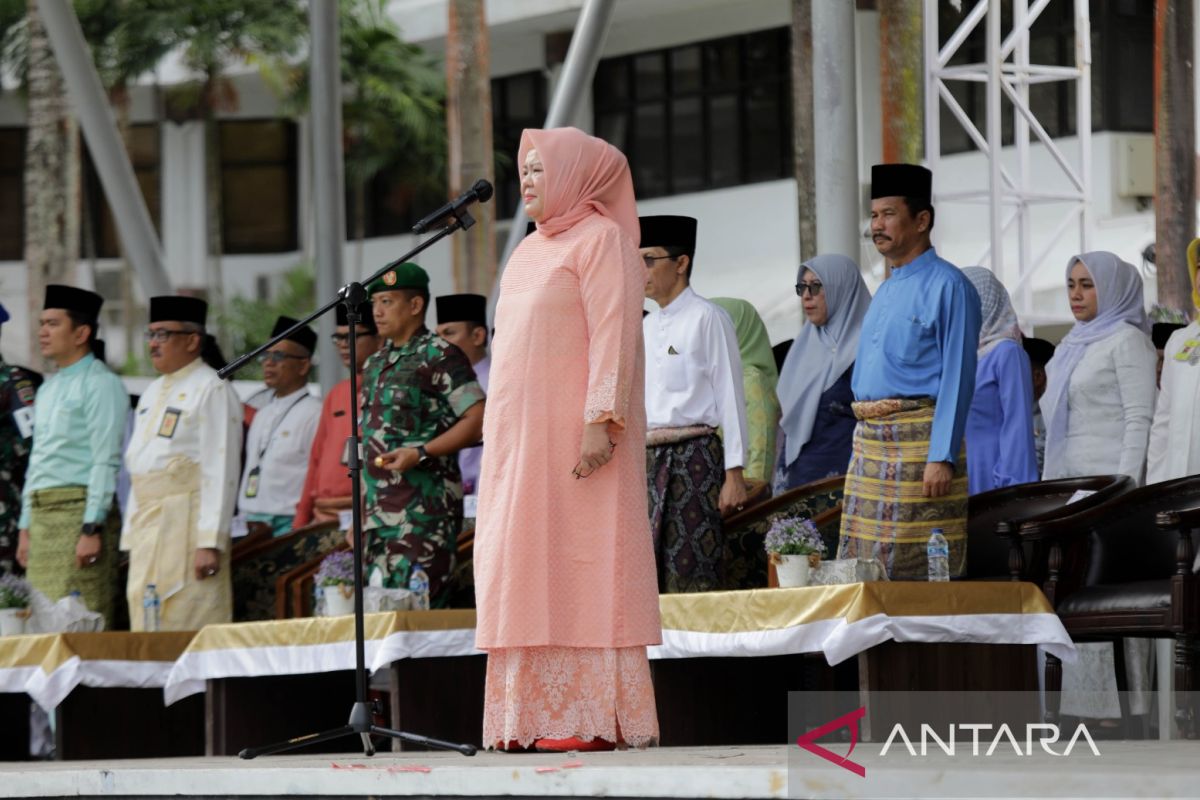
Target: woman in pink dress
564, 569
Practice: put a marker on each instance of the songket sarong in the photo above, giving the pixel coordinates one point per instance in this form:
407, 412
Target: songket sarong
162, 539
55, 520
685, 468
885, 514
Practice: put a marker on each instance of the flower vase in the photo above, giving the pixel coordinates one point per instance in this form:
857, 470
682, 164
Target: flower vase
792, 571
12, 621
339, 599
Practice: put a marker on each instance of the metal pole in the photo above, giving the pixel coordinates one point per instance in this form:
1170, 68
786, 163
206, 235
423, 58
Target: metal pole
933, 139
87, 95
578, 68
994, 138
329, 209
1083, 118
1024, 231
835, 139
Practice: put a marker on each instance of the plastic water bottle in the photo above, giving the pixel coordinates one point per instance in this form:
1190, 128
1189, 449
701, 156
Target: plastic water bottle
938, 551
418, 584
150, 608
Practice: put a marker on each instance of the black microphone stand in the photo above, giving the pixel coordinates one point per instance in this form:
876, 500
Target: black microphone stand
360, 722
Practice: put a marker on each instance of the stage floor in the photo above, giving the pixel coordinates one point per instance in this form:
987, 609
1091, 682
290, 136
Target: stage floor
1124, 769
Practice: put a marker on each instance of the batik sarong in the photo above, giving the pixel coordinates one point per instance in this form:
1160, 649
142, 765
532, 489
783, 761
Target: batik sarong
885, 514
55, 520
685, 479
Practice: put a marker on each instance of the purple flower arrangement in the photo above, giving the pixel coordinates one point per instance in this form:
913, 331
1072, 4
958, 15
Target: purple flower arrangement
793, 536
14, 592
336, 569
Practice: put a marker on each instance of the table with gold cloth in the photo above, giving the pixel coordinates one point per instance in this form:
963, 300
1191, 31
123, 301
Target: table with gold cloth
837, 621
49, 666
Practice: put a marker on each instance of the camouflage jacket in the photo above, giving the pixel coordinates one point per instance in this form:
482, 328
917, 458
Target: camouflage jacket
413, 393
17, 388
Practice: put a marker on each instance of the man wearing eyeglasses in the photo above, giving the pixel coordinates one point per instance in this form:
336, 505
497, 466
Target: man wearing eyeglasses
183, 459
327, 489
462, 321
693, 386
281, 436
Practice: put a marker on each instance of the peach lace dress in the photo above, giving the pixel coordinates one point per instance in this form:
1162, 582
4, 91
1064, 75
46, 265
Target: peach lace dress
564, 569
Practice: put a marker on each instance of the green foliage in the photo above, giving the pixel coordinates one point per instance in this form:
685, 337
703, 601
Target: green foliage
393, 99
246, 323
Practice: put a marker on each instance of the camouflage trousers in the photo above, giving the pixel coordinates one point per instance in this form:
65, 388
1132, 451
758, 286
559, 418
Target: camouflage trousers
54, 523
392, 550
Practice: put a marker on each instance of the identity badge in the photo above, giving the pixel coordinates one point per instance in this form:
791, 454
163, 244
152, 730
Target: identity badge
252, 482
24, 419
170, 420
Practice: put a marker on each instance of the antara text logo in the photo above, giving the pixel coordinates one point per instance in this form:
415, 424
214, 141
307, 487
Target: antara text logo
1039, 737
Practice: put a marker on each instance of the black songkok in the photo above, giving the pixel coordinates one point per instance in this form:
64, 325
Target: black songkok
68, 298
669, 231
462, 308
366, 320
304, 336
176, 308
901, 180
1162, 331
1039, 351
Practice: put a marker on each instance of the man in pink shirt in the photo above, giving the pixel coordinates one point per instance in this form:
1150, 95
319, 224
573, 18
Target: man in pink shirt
327, 486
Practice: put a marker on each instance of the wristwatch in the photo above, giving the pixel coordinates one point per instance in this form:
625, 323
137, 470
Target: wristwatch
422, 456
92, 529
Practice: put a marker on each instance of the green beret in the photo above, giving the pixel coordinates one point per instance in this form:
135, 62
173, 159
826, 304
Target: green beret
406, 276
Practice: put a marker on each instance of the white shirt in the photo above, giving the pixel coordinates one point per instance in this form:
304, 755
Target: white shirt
195, 415
1175, 435
277, 446
1110, 401
694, 371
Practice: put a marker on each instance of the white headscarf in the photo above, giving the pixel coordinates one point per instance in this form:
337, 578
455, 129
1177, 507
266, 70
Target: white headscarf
1119, 302
821, 353
999, 316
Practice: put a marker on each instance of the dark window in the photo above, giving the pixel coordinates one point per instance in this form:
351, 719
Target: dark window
391, 206
1122, 71
700, 116
258, 186
98, 229
12, 194
518, 102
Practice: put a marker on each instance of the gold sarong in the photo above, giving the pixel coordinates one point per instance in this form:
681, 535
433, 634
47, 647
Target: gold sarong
885, 514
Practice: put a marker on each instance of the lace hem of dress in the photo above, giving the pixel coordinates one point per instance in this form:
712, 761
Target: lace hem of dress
559, 692
601, 405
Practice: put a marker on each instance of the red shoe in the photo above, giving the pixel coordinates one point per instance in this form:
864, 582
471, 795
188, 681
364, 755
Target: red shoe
512, 746
572, 743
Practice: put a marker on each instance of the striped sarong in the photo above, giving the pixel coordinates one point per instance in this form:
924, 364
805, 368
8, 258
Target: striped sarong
885, 514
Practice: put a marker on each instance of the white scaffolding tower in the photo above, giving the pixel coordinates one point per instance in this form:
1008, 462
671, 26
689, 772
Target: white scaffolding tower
1006, 73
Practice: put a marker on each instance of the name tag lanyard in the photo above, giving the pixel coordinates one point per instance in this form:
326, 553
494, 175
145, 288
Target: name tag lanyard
254, 474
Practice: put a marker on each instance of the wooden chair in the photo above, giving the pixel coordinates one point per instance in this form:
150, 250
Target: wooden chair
994, 548
294, 588
1125, 568
257, 565
746, 564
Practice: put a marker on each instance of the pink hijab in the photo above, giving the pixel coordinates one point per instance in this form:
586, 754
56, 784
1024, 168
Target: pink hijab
584, 175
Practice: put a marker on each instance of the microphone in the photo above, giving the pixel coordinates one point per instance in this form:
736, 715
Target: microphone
481, 192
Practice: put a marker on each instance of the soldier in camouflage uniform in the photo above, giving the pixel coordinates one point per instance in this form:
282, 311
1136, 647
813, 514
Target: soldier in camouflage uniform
421, 405
17, 388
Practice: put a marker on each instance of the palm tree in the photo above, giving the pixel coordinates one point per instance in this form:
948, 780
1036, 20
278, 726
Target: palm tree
212, 35
393, 107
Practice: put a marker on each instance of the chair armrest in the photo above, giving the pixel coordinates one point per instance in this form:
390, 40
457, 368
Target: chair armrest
1183, 518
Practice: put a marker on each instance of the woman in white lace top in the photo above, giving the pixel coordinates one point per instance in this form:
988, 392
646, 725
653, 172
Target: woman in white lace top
1098, 406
